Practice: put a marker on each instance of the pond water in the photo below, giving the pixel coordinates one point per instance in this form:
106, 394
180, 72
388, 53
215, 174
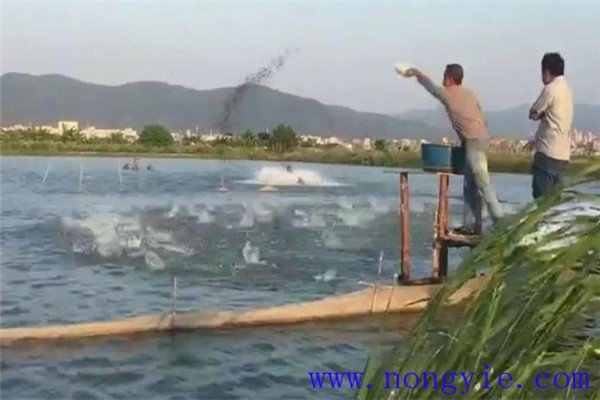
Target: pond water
84, 239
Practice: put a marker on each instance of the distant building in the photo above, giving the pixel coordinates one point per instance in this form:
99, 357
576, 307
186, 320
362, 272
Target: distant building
212, 137
332, 140
15, 128
177, 136
595, 146
337, 141
130, 134
67, 125
93, 132
311, 139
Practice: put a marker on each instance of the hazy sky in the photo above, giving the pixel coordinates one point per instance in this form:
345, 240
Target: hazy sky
346, 55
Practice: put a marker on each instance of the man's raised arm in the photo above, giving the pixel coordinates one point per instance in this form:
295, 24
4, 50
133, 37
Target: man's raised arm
436, 91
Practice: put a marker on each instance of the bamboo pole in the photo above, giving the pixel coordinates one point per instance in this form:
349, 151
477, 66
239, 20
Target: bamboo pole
80, 175
173, 300
435, 250
443, 226
404, 229
120, 175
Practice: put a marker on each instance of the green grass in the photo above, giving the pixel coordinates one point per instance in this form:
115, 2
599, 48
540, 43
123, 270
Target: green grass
498, 162
539, 312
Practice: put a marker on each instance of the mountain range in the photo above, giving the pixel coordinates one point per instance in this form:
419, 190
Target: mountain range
46, 99
510, 123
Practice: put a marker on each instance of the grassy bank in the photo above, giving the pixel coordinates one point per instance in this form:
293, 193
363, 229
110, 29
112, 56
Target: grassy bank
498, 162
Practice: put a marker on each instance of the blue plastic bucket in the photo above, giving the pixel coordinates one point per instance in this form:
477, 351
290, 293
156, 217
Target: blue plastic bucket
442, 158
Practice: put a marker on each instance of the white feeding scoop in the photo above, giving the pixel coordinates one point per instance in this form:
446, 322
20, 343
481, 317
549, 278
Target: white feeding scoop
402, 68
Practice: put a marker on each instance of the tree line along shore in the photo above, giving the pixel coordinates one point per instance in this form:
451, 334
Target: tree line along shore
280, 145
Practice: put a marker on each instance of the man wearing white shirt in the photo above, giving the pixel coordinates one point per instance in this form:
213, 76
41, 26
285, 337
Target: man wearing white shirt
552, 143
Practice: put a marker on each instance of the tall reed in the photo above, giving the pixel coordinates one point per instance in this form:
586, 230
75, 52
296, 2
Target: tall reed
539, 311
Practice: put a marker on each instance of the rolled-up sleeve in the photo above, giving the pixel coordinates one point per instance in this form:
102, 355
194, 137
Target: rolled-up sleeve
544, 101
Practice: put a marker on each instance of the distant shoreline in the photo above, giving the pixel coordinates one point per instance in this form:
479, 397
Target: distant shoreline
498, 162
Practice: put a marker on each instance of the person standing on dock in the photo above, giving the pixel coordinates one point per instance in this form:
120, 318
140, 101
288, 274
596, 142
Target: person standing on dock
467, 119
552, 143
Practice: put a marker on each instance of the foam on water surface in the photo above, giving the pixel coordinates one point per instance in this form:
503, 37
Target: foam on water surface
274, 176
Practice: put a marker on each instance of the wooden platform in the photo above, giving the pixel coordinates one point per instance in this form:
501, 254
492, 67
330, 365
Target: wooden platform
444, 237
453, 239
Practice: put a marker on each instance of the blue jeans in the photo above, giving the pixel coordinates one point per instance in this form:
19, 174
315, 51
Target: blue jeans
547, 172
477, 188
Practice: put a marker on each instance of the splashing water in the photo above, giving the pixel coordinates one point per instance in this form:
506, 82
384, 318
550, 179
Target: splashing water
281, 177
110, 235
107, 234
253, 79
153, 261
331, 241
309, 221
379, 206
344, 203
159, 236
173, 212
203, 215
261, 213
355, 217
252, 254
248, 219
276, 176
327, 276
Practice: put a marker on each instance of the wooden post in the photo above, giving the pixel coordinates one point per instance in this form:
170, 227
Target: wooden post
435, 250
404, 229
439, 256
445, 218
